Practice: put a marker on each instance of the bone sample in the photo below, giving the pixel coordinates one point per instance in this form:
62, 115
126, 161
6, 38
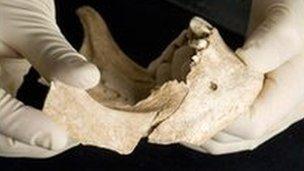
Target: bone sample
123, 107
193, 90
220, 88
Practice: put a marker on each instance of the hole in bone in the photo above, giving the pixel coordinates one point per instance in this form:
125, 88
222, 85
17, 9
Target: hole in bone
213, 86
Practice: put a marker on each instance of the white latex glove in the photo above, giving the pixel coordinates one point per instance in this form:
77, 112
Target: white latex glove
274, 46
28, 29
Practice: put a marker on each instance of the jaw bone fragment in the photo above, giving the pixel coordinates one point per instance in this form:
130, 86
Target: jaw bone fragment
193, 90
122, 80
123, 107
220, 88
124, 85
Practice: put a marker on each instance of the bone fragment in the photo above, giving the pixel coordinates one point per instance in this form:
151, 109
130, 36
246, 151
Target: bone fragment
220, 88
193, 90
104, 116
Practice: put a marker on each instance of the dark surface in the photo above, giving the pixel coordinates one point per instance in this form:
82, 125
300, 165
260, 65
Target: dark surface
232, 14
160, 22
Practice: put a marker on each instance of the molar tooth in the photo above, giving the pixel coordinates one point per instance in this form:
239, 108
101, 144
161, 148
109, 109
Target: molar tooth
198, 44
200, 27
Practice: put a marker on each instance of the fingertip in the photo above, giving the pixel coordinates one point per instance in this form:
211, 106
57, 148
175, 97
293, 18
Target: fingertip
91, 74
77, 72
43, 131
14, 148
31, 126
52, 139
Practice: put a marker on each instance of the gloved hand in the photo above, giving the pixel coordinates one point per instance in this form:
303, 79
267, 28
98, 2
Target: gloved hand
275, 47
28, 30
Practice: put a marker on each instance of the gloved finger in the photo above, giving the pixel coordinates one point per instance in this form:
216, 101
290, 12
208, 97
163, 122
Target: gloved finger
218, 148
282, 92
195, 147
13, 148
28, 125
12, 72
7, 52
225, 137
224, 143
276, 34
296, 115
221, 143
31, 30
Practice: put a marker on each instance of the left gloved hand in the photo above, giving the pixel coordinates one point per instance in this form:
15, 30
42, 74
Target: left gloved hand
275, 47
29, 35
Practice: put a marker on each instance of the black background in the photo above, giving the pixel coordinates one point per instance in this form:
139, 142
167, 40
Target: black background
143, 29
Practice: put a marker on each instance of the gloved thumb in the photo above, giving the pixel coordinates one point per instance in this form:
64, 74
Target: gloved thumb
28, 125
275, 34
33, 32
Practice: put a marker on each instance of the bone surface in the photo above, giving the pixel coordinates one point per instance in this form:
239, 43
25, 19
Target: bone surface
193, 90
111, 115
220, 88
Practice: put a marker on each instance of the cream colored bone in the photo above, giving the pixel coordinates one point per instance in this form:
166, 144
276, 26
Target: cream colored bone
195, 89
220, 88
104, 116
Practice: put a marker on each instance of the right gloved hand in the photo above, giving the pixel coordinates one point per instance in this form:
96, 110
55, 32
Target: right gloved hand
274, 47
28, 30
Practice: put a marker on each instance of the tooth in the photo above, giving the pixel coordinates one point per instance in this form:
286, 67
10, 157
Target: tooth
200, 27
198, 44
